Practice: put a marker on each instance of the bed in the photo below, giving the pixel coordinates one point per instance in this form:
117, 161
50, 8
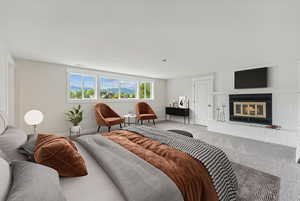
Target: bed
146, 164
95, 185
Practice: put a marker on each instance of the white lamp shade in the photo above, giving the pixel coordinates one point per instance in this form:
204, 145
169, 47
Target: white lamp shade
33, 117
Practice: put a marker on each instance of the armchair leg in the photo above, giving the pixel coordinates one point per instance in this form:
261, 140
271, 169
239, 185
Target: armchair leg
148, 121
109, 129
99, 127
154, 122
142, 122
120, 125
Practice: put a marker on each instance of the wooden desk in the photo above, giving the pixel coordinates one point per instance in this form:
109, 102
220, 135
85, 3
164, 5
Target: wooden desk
176, 111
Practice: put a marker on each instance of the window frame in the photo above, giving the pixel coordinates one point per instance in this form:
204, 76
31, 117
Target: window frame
138, 82
136, 90
83, 99
151, 89
98, 75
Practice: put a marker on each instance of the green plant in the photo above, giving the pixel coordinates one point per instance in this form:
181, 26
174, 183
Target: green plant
75, 115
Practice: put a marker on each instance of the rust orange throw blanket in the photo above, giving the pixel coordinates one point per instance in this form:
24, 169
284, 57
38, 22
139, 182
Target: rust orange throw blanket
190, 176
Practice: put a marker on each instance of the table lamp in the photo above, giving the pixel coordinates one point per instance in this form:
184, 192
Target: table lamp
34, 118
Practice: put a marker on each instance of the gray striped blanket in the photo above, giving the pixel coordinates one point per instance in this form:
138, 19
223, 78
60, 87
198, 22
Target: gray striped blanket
213, 158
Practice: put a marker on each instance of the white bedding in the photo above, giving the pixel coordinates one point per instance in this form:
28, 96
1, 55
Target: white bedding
96, 186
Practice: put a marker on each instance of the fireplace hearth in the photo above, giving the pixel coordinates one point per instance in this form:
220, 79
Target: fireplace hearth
251, 108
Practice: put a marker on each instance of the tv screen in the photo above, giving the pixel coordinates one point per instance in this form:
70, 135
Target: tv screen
253, 78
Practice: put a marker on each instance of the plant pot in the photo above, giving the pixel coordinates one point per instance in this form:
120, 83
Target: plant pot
75, 129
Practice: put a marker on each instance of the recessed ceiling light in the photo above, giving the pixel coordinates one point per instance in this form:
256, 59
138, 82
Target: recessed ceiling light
164, 60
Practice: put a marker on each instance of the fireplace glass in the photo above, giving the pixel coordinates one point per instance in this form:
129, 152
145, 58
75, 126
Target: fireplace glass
250, 109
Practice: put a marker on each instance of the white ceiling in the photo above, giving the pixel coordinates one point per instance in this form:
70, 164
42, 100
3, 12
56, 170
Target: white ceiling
133, 36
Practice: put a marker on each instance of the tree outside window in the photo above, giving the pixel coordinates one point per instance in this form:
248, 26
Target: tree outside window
82, 87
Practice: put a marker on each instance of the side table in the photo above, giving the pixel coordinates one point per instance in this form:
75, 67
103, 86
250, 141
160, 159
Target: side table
127, 119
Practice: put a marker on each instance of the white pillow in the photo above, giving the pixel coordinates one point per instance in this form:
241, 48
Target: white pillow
3, 123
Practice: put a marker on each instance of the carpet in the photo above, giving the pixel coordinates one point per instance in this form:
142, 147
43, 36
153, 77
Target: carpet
255, 185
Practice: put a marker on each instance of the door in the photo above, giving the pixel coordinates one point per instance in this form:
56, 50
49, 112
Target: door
203, 107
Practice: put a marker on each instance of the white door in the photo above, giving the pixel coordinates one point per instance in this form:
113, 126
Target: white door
203, 100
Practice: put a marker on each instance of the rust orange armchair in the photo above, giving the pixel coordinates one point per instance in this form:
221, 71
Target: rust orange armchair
105, 116
145, 112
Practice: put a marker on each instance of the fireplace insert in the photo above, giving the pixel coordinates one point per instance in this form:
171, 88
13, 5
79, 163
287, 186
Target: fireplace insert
251, 108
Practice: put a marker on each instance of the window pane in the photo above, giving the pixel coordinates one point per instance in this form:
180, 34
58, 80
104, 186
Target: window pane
142, 90
75, 86
128, 89
109, 88
148, 90
89, 87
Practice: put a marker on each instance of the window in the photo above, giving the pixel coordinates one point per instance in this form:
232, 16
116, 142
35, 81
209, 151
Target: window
89, 87
82, 87
109, 88
145, 90
128, 89
98, 87
117, 89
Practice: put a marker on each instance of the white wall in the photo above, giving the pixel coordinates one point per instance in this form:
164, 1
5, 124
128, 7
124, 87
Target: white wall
283, 82
43, 86
7, 84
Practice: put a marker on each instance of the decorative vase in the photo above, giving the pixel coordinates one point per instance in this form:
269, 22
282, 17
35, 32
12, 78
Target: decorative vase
75, 129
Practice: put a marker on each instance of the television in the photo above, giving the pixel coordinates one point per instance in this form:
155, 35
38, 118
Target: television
252, 78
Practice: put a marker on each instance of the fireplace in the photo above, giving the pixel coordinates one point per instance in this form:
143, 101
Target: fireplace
251, 108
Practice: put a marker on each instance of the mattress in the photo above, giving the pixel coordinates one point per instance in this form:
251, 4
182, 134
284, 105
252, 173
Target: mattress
96, 186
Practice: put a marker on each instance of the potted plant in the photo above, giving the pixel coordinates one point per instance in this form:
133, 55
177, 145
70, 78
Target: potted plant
75, 117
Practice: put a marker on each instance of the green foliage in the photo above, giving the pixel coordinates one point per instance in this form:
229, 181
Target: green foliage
142, 90
89, 93
148, 90
105, 94
75, 115
145, 90
76, 94
127, 95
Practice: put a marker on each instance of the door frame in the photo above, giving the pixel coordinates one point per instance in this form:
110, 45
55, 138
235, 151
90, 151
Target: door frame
211, 79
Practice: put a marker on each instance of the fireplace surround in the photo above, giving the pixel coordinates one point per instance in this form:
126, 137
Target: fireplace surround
251, 108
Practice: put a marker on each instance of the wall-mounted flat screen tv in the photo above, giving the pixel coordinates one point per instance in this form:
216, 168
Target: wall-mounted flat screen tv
252, 78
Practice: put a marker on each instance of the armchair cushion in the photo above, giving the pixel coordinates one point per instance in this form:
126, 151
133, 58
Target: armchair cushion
147, 116
114, 120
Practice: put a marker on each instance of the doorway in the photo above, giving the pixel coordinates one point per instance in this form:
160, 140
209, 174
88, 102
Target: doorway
203, 100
